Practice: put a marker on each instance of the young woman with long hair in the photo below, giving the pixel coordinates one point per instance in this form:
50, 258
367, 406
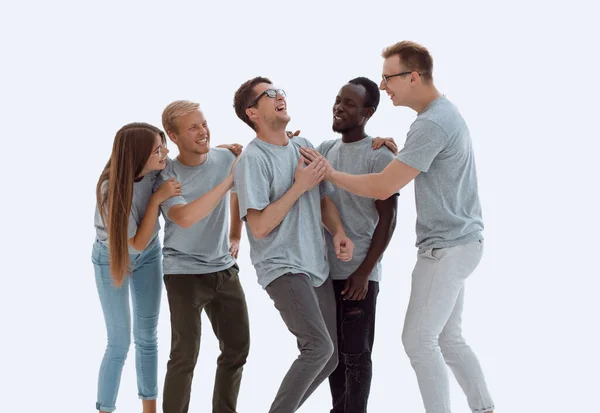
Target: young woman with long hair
127, 258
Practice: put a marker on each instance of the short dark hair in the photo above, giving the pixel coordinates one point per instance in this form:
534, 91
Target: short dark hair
244, 96
372, 96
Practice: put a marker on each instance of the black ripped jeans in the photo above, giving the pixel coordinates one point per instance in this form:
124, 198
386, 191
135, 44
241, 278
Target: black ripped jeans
350, 383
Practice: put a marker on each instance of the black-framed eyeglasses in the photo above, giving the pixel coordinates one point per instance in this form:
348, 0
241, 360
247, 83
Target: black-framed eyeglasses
272, 93
386, 77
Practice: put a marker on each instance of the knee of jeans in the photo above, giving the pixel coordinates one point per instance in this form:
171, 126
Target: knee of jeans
415, 342
324, 350
332, 364
450, 342
118, 346
146, 337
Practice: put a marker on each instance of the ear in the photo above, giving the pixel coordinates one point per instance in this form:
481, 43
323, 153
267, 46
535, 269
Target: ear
366, 115
172, 136
251, 113
414, 77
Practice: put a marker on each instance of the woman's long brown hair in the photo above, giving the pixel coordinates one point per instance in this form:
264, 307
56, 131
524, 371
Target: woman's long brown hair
132, 148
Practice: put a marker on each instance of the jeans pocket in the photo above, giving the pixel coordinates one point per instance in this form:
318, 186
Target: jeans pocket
100, 254
431, 253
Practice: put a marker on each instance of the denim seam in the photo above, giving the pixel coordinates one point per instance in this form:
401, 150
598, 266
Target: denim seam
295, 301
137, 327
427, 303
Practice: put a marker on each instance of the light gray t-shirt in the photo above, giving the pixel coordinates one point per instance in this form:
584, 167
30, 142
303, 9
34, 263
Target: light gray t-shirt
448, 209
142, 191
359, 214
204, 247
263, 174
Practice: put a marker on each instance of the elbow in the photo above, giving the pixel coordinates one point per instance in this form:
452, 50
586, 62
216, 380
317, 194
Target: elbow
259, 233
182, 222
137, 246
383, 194
385, 191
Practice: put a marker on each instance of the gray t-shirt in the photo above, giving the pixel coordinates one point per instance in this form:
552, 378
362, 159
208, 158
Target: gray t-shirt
204, 247
359, 214
263, 174
448, 209
142, 191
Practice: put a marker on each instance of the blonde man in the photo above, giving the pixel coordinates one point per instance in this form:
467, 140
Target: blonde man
199, 261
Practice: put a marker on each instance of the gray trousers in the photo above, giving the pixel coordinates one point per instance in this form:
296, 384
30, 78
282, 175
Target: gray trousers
432, 334
309, 314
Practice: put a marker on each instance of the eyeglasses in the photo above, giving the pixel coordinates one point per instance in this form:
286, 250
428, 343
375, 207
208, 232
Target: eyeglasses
386, 77
272, 93
160, 151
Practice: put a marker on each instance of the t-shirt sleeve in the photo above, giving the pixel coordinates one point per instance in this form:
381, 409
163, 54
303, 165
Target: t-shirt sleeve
252, 184
167, 204
424, 142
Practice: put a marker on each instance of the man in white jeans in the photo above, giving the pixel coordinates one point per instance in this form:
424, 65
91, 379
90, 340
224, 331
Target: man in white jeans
438, 155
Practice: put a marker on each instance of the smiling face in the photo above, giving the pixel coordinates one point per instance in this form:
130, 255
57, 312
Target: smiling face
348, 109
268, 109
398, 87
192, 135
156, 161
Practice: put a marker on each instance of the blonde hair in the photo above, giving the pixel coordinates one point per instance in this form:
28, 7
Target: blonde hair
175, 110
415, 56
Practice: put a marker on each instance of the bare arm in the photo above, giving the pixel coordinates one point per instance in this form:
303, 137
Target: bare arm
344, 247
187, 215
382, 235
144, 231
357, 285
379, 185
141, 238
235, 228
331, 217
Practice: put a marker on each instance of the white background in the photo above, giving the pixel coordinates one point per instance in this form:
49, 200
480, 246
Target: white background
524, 75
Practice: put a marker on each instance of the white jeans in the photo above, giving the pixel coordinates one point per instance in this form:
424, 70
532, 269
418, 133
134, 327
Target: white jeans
432, 332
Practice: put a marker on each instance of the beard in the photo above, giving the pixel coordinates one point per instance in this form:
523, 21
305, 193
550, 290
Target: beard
341, 129
277, 122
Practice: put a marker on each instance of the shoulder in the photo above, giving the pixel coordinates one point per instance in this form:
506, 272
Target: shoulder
443, 116
326, 146
168, 171
301, 141
223, 156
429, 126
383, 154
222, 153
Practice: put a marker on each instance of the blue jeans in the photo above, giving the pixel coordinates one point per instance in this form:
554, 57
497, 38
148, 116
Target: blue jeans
146, 287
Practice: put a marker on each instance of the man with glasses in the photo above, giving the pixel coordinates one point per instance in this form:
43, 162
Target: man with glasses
284, 205
438, 155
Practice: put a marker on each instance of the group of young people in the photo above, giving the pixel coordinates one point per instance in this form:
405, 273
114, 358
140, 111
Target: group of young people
318, 221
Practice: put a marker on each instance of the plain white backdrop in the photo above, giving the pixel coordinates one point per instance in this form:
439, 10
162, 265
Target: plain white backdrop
523, 74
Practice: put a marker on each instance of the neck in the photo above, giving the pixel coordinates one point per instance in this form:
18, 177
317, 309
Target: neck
275, 137
354, 135
192, 159
428, 94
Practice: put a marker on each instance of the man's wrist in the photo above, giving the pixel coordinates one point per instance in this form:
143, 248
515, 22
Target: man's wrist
333, 176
